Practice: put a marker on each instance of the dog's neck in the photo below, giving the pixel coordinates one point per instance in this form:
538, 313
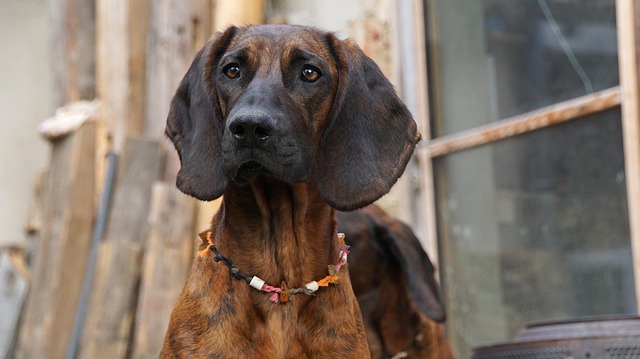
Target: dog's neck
277, 231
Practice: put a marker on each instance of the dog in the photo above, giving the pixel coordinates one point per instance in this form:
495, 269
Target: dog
393, 280
289, 123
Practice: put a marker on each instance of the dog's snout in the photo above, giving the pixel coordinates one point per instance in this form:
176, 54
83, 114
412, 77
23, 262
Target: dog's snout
251, 130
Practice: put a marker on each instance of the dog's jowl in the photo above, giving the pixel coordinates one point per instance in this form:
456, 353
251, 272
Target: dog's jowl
288, 123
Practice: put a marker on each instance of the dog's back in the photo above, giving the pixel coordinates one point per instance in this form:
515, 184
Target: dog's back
393, 280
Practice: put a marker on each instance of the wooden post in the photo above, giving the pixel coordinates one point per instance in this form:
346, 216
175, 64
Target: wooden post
416, 96
168, 255
109, 321
121, 48
60, 259
68, 190
175, 27
178, 29
72, 46
237, 12
628, 24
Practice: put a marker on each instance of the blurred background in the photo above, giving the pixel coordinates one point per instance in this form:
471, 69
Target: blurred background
525, 190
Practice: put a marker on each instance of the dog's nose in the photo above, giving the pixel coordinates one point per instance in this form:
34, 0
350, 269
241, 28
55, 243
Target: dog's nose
251, 130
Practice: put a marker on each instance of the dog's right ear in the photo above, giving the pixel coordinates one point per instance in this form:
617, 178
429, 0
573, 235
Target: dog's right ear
370, 135
195, 124
418, 270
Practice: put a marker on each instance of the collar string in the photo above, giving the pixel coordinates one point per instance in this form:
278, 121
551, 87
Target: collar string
280, 294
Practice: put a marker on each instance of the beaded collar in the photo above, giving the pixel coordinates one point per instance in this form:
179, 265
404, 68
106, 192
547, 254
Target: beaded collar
279, 294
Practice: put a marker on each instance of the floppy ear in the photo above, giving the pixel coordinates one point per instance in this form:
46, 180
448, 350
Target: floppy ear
416, 268
370, 135
195, 124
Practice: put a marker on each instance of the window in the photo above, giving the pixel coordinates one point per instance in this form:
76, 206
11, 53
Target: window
533, 159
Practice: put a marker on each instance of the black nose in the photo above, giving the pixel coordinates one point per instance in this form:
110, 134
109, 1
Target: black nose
251, 130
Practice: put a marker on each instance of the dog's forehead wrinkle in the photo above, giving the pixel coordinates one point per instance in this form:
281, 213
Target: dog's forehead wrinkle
267, 40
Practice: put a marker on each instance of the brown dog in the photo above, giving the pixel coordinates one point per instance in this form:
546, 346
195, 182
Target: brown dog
288, 123
393, 280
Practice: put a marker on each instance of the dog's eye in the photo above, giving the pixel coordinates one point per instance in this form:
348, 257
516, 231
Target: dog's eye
231, 71
310, 74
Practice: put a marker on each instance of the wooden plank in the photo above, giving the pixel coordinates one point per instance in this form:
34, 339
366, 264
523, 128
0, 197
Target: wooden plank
178, 29
138, 26
416, 95
112, 306
13, 291
72, 46
109, 321
60, 258
628, 12
175, 26
121, 48
201, 22
168, 255
96, 237
112, 69
237, 12
425, 164
528, 122
68, 191
141, 165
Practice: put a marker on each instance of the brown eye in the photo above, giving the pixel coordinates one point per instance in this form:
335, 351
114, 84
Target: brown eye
231, 71
310, 74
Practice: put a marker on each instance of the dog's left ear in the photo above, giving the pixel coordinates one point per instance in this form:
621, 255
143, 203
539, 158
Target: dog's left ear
194, 124
370, 135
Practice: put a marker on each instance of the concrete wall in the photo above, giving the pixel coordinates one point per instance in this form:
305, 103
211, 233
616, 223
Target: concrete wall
24, 102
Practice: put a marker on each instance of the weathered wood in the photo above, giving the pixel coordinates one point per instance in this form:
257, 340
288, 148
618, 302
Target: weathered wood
177, 30
60, 258
13, 290
109, 321
120, 65
416, 95
138, 25
68, 195
141, 164
629, 45
170, 52
168, 255
237, 12
528, 122
72, 46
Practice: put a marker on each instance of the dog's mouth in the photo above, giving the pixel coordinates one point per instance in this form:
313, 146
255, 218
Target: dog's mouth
248, 170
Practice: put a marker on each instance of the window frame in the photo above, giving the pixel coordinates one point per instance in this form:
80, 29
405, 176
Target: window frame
626, 96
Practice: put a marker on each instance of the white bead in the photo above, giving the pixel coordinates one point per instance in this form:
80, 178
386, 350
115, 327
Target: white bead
257, 283
312, 286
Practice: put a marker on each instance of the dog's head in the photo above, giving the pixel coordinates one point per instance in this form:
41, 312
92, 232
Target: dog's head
293, 103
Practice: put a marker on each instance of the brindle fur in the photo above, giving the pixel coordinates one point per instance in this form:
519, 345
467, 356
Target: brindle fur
394, 282
339, 142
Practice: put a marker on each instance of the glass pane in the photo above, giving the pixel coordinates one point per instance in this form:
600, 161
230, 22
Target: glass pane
492, 59
535, 228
